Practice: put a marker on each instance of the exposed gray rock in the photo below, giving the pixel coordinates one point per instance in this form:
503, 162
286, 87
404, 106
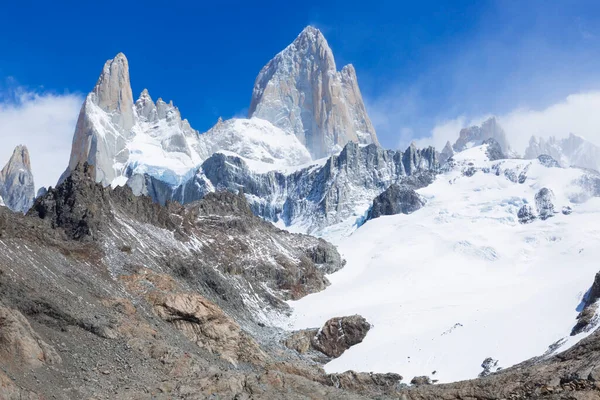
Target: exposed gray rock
476, 135
301, 91
548, 161
488, 365
17, 189
395, 200
526, 214
567, 210
421, 380
544, 202
493, 151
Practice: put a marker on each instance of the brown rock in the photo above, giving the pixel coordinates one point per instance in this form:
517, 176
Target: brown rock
20, 345
339, 334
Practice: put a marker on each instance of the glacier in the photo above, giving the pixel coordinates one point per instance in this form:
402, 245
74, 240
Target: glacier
461, 279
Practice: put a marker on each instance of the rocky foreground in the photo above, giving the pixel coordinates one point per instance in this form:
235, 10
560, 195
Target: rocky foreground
105, 295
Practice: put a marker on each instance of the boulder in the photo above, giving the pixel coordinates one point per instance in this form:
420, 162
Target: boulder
526, 214
544, 201
339, 334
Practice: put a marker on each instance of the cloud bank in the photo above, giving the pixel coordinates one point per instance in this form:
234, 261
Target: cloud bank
578, 113
44, 122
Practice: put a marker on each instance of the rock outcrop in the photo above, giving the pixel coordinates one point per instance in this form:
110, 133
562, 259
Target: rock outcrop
17, 189
476, 135
335, 337
339, 334
395, 200
526, 214
587, 318
301, 91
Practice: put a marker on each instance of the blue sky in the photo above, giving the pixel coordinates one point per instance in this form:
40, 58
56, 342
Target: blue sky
419, 64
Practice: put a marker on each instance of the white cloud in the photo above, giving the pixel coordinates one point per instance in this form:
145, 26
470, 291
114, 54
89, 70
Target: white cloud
578, 113
44, 122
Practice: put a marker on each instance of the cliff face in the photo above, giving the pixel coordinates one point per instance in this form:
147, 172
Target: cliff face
301, 92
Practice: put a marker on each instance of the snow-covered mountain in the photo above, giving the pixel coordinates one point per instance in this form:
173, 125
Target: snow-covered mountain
476, 135
302, 92
462, 279
17, 189
122, 138
570, 151
148, 146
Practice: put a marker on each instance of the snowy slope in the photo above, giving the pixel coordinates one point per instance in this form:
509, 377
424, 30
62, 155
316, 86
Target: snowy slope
461, 279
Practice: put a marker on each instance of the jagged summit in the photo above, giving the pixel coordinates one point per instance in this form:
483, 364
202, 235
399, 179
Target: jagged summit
569, 151
17, 188
476, 135
301, 91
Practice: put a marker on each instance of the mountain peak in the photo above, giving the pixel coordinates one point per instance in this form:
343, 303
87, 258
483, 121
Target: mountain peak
112, 92
20, 157
16, 181
476, 135
301, 91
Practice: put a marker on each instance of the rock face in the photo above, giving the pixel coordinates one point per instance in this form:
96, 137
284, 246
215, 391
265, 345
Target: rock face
301, 91
339, 334
17, 189
476, 135
570, 151
544, 202
395, 200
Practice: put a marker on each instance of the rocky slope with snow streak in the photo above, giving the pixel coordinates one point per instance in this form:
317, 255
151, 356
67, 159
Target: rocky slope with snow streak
461, 279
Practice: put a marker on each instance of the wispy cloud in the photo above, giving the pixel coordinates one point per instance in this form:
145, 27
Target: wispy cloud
42, 121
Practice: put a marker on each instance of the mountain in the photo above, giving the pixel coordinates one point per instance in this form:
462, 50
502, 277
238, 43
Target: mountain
302, 92
570, 151
148, 146
104, 292
17, 189
457, 278
476, 135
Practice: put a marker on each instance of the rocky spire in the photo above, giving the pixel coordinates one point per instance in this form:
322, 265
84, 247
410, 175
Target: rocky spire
16, 181
301, 91
104, 124
112, 92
